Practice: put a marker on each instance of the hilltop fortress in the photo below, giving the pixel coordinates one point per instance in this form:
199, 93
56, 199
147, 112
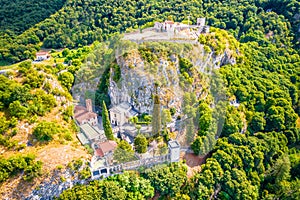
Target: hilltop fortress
170, 31
176, 27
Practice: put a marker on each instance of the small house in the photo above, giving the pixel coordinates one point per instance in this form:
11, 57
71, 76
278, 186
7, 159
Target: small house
201, 21
168, 25
40, 56
85, 115
158, 26
105, 148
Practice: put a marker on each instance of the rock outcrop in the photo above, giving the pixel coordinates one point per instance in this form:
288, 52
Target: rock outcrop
138, 77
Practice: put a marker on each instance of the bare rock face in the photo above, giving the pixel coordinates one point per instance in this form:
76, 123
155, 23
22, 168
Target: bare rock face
138, 78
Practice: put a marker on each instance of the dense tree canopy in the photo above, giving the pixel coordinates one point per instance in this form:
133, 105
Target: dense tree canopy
125, 186
18, 16
167, 180
257, 153
71, 26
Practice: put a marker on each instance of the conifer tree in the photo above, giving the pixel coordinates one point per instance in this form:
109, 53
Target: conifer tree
156, 118
106, 123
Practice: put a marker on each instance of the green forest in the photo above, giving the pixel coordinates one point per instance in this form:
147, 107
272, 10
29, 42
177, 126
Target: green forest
80, 23
261, 163
18, 16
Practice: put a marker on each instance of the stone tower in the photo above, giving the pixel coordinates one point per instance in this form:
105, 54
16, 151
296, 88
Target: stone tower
88, 105
174, 150
201, 21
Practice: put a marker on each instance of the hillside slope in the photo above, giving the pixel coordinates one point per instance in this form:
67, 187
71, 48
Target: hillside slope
18, 16
82, 22
252, 153
257, 154
35, 111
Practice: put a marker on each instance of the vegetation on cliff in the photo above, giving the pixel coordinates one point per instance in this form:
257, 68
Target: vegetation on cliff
257, 153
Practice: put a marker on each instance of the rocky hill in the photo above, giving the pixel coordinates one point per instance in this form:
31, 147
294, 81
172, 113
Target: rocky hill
153, 63
35, 122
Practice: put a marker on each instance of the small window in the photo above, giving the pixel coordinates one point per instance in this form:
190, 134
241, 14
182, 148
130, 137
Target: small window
115, 115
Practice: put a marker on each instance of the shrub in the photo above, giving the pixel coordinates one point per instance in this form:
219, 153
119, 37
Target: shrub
46, 130
89, 149
85, 173
68, 136
141, 143
16, 164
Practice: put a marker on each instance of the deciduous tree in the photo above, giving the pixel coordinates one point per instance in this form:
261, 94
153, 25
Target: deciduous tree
140, 143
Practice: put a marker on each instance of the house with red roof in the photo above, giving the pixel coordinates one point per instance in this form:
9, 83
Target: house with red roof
42, 55
85, 114
105, 148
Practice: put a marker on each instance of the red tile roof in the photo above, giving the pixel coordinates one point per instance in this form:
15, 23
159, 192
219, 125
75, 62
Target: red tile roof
41, 53
169, 22
79, 109
105, 147
81, 114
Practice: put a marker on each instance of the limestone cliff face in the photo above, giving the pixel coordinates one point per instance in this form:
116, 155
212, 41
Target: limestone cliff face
138, 77
136, 85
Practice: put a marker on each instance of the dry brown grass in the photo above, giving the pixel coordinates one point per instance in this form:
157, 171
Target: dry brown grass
57, 152
51, 155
